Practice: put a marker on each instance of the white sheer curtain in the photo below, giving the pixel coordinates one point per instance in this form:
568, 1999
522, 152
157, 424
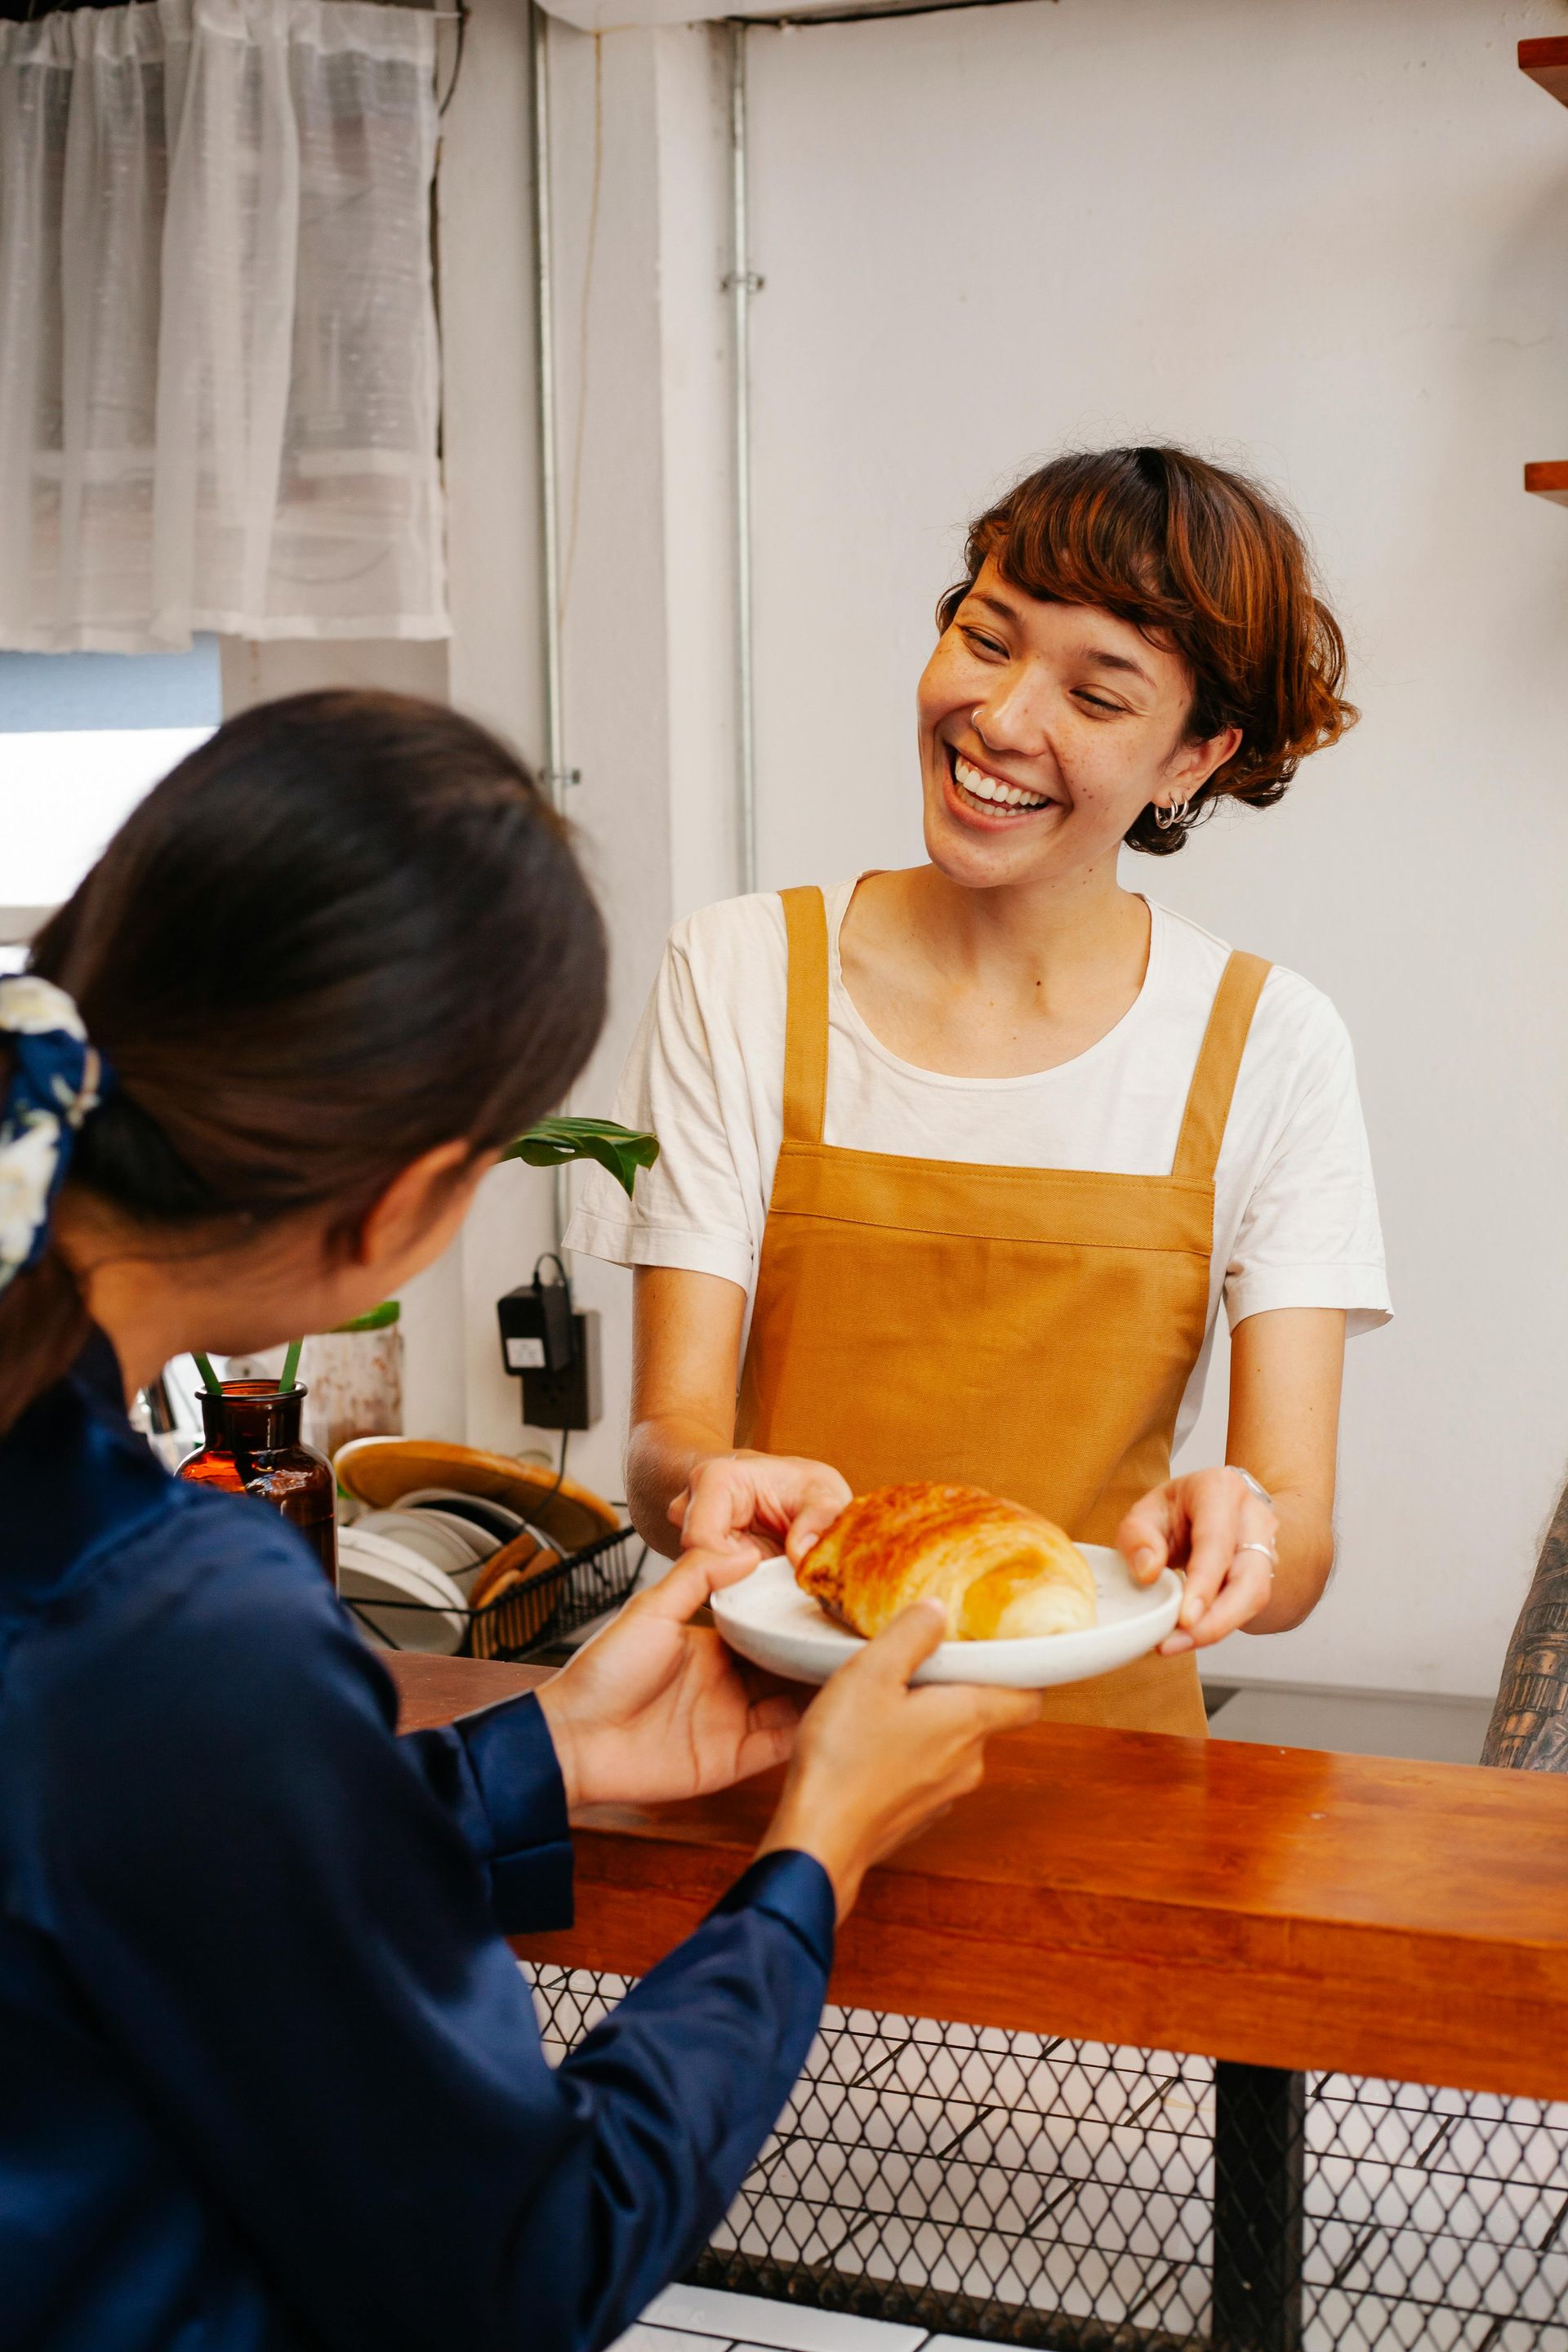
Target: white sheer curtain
218, 367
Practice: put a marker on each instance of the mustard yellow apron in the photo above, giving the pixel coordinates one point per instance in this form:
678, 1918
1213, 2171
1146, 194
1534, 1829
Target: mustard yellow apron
1030, 1330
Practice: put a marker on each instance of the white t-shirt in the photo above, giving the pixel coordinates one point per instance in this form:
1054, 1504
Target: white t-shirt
1296, 1220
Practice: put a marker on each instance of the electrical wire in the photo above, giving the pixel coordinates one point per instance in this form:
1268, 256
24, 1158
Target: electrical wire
460, 16
561, 1472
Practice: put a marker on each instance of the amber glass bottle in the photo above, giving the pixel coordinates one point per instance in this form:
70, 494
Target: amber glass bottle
253, 1447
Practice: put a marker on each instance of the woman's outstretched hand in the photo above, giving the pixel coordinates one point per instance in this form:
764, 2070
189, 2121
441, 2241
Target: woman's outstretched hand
769, 1503
875, 1760
655, 1707
1198, 1523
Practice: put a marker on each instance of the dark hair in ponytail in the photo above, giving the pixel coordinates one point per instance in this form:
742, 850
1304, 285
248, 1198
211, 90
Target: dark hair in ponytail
346, 930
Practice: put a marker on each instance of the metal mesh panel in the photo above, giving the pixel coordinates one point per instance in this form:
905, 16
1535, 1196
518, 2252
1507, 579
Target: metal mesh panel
1055, 2193
1436, 2218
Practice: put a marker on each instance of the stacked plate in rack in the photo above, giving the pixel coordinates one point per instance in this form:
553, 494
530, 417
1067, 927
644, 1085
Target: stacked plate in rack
410, 1572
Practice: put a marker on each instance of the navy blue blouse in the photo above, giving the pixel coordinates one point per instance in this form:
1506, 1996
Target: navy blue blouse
269, 2074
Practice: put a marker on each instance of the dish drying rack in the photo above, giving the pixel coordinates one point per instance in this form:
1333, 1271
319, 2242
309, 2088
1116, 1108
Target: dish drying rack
543, 1619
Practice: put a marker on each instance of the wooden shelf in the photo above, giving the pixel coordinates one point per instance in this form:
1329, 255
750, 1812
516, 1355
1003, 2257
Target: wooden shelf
1234, 1901
1549, 480
1546, 61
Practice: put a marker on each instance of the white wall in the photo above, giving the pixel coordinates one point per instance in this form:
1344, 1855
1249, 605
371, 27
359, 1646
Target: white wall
1329, 241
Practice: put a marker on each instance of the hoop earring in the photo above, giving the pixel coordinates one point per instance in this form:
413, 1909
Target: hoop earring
1171, 815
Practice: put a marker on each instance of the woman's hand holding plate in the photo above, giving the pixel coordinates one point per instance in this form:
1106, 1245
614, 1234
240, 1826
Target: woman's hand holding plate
1211, 1524
655, 1707
768, 1503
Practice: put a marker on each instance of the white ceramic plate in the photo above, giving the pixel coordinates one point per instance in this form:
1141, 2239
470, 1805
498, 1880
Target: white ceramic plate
477, 1538
371, 1569
419, 1534
477, 1511
478, 1542
446, 1544
769, 1620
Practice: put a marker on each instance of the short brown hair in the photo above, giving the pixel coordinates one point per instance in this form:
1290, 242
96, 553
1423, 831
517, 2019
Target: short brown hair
1201, 560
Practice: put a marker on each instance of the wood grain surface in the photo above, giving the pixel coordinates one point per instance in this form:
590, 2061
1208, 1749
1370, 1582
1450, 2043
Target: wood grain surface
434, 1690
1266, 1903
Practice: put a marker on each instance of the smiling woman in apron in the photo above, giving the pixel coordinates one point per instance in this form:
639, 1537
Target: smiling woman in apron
961, 1163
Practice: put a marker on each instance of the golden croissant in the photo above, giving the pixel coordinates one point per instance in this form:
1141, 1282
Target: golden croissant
1001, 1571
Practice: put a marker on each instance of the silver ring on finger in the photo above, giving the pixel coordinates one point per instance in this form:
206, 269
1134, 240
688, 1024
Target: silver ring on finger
1269, 1554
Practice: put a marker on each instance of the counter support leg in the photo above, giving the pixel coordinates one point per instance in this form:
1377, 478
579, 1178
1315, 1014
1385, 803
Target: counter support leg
1259, 2137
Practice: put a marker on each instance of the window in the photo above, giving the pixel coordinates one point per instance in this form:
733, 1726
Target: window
82, 738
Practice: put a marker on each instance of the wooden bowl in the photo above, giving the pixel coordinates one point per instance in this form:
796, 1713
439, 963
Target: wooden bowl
382, 1470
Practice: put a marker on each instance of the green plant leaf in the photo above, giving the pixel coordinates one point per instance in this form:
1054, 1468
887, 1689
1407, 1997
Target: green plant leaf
622, 1150
377, 1320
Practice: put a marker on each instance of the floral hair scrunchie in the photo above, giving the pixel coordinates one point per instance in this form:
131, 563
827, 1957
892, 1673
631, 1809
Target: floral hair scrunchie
57, 1078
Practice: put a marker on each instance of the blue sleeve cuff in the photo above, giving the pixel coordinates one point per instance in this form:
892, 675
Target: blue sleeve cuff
792, 1887
513, 1759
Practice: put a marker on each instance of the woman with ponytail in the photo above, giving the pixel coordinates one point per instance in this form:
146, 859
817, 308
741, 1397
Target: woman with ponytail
268, 2074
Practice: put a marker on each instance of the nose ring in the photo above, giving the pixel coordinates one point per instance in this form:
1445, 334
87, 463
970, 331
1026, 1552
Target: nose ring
974, 722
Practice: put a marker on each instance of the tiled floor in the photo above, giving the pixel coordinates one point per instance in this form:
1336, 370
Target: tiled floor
1360, 1722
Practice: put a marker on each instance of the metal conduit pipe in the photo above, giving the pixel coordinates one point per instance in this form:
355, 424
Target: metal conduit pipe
740, 284
557, 777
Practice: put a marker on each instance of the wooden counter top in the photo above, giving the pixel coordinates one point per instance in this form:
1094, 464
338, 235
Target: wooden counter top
1266, 1903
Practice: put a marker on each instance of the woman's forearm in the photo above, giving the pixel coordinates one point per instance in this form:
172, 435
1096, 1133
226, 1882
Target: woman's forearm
1286, 1370
686, 1362
1306, 1547
662, 1452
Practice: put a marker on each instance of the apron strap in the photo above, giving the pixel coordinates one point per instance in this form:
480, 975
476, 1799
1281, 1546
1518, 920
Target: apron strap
805, 1035
1219, 1061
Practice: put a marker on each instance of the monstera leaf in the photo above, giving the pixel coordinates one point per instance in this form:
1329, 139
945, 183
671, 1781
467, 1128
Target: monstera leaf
622, 1150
